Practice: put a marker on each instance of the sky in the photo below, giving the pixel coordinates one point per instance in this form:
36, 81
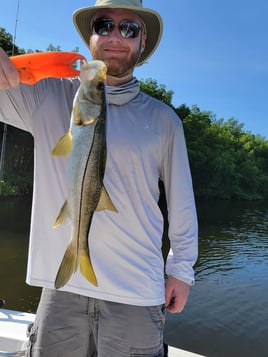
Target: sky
213, 54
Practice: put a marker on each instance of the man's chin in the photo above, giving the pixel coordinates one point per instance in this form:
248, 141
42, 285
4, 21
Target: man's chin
117, 71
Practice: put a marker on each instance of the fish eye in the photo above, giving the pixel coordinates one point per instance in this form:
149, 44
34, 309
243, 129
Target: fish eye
100, 85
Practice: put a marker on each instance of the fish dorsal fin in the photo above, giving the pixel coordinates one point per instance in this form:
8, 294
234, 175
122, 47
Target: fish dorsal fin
105, 201
63, 146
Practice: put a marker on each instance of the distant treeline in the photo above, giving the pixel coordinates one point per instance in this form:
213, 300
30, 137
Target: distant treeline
226, 161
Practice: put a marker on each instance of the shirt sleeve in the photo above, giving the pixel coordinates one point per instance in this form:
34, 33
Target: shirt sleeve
19, 104
183, 228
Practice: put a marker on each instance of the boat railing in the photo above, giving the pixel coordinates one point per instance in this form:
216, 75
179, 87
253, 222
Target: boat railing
13, 354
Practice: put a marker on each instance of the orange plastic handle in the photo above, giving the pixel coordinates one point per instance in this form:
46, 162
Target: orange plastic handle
33, 67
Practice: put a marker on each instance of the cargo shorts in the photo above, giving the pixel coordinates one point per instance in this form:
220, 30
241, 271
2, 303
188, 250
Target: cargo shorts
71, 325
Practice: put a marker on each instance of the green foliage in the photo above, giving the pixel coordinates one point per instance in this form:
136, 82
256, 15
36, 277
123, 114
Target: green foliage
52, 48
17, 185
151, 87
6, 42
226, 162
18, 162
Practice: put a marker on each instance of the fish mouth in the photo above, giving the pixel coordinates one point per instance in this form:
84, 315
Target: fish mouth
101, 71
94, 70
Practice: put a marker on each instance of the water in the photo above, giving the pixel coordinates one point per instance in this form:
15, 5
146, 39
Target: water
14, 238
227, 312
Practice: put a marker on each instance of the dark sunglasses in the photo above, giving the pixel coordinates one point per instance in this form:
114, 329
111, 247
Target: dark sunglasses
127, 29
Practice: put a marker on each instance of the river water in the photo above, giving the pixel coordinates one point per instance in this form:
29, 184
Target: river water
227, 312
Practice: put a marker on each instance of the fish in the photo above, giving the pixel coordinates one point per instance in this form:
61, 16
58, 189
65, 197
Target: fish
85, 142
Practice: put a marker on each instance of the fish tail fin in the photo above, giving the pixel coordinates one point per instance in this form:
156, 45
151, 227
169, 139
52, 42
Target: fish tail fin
62, 216
64, 146
68, 266
105, 201
87, 268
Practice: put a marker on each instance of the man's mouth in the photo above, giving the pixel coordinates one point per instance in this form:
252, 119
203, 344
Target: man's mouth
115, 50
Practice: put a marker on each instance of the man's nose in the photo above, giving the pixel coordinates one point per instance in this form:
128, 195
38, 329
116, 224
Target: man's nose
115, 35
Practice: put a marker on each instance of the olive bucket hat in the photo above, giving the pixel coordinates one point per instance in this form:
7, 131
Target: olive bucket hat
152, 20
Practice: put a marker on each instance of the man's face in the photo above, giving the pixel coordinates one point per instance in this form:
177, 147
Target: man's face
119, 54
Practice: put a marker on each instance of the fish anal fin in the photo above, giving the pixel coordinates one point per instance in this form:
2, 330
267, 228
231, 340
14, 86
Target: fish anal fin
63, 146
87, 269
105, 201
68, 266
63, 216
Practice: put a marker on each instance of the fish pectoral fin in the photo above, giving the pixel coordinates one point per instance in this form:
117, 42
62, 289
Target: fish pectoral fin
87, 268
63, 146
105, 201
84, 116
62, 216
68, 266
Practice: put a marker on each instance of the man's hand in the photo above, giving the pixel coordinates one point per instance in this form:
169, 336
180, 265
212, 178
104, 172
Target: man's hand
177, 293
9, 75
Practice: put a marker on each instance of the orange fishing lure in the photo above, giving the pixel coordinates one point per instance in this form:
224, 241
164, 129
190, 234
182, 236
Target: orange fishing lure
35, 66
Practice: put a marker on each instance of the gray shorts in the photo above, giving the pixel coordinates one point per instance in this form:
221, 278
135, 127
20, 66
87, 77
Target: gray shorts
70, 325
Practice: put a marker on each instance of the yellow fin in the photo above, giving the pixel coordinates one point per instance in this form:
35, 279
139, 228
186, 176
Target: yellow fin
87, 269
105, 201
63, 146
68, 266
62, 216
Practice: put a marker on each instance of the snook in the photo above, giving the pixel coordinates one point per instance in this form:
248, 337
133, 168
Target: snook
86, 142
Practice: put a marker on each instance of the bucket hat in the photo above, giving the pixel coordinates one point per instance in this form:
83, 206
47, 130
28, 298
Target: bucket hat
152, 20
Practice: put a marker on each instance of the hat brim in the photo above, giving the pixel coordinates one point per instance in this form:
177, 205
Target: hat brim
154, 26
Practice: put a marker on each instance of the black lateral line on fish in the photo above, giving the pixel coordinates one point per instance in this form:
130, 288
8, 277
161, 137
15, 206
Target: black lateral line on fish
82, 189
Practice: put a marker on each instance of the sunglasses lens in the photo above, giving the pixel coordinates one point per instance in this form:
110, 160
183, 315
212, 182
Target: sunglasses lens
104, 27
129, 29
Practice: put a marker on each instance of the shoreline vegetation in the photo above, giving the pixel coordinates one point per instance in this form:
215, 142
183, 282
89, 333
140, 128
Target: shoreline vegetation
227, 162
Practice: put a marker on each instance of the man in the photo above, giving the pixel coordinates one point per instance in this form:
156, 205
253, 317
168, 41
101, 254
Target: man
124, 315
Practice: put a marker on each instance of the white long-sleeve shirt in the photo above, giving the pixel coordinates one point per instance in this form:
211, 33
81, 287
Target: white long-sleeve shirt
145, 142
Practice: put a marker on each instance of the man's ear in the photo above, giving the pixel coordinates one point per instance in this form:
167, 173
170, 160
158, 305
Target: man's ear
143, 42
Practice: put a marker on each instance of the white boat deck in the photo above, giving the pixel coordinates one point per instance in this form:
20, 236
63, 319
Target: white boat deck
13, 331
13, 335
176, 352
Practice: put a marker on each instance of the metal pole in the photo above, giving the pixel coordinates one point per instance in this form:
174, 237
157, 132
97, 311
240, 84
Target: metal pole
4, 137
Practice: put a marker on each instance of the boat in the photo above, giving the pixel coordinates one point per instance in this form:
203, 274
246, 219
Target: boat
13, 332
13, 335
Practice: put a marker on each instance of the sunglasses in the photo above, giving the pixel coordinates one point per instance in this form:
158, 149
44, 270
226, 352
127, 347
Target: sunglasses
127, 29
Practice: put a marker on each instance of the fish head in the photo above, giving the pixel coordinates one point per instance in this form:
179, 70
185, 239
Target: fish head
90, 70
91, 95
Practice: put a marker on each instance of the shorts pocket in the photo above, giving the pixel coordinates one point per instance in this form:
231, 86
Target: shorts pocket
157, 315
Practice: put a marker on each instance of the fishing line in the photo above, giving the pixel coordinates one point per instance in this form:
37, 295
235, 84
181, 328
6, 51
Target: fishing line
15, 30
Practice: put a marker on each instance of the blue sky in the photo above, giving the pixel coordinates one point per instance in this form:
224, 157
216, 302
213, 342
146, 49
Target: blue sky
213, 54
